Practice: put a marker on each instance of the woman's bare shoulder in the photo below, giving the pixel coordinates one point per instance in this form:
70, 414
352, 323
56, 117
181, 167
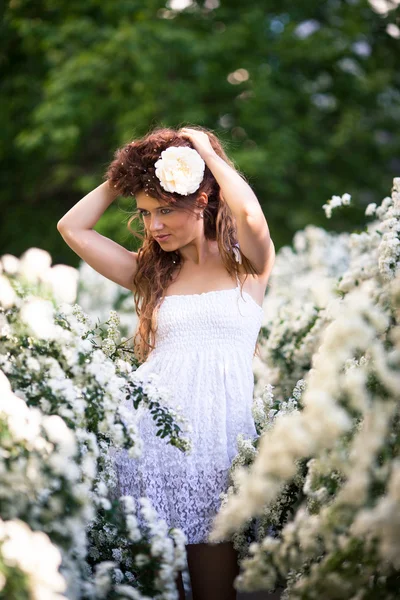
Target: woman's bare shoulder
256, 284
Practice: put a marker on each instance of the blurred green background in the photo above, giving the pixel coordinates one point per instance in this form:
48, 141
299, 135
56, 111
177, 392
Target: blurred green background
305, 95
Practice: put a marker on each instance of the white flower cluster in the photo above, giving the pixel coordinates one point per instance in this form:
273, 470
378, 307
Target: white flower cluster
34, 272
180, 169
98, 296
33, 553
303, 286
43, 482
265, 410
153, 547
375, 254
334, 202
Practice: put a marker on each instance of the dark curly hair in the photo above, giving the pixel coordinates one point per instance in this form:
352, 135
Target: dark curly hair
132, 170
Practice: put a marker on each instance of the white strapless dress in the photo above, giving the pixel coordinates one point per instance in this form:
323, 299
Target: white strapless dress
203, 354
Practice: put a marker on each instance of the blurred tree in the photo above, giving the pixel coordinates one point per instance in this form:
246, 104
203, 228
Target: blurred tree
305, 95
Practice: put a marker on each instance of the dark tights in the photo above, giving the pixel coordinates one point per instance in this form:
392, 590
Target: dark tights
212, 570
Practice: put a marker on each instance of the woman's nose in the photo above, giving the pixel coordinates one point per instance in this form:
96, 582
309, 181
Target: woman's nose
156, 224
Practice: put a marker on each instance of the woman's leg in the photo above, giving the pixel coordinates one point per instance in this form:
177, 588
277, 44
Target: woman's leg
212, 569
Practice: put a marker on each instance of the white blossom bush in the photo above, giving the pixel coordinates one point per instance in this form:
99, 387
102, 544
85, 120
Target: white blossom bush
68, 382
29, 563
42, 484
265, 409
303, 282
337, 442
147, 556
33, 270
41, 480
98, 296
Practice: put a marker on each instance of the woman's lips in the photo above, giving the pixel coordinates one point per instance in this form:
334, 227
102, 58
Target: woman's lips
162, 238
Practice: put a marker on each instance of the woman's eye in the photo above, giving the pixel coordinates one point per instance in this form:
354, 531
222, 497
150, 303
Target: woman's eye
144, 212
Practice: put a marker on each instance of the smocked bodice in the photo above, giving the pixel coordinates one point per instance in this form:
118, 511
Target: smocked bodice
217, 319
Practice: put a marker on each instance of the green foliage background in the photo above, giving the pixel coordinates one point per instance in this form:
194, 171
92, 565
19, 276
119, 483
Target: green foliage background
318, 114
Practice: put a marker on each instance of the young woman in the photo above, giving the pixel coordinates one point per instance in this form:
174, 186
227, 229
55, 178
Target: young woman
198, 281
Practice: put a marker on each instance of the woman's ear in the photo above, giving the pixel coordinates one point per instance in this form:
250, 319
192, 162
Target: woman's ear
202, 200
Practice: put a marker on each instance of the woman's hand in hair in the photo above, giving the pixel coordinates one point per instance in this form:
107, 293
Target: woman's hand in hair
200, 141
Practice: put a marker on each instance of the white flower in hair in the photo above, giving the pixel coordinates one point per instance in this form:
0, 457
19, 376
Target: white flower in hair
180, 169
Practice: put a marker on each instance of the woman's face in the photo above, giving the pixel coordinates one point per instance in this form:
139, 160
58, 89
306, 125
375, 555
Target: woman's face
159, 219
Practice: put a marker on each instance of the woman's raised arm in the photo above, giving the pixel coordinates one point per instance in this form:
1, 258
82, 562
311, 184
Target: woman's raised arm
104, 255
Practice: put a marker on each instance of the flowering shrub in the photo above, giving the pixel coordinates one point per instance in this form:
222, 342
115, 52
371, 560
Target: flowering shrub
322, 480
98, 296
149, 558
65, 390
29, 563
303, 283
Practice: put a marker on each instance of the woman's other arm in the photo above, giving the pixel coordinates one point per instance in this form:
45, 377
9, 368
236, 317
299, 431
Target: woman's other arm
104, 255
